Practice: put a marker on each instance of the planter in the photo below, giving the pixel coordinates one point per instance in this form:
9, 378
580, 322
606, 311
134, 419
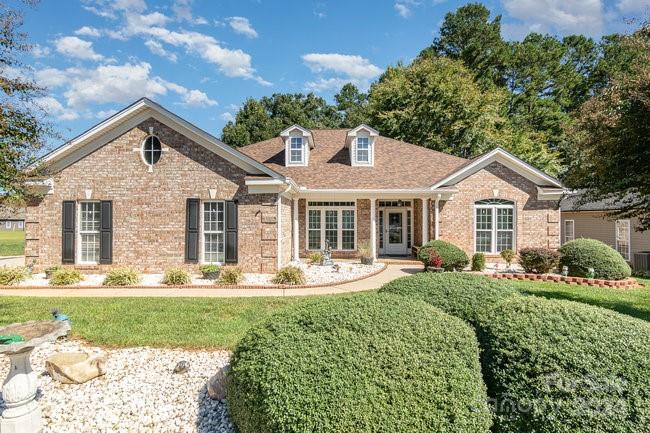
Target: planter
367, 260
211, 275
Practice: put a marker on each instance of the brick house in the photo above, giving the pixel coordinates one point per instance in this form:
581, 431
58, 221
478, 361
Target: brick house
148, 189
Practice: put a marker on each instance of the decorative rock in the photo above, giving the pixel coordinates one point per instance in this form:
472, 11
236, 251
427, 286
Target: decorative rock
75, 367
218, 383
181, 367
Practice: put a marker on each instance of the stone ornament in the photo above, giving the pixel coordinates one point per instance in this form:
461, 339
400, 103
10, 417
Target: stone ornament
218, 384
75, 367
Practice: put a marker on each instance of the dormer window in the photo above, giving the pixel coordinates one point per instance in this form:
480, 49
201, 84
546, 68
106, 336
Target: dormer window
296, 151
297, 143
363, 150
361, 142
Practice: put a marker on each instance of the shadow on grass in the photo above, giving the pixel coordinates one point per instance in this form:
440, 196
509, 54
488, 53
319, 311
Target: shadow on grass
621, 306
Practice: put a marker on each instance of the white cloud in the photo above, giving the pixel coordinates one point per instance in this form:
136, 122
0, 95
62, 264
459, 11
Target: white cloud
159, 50
197, 98
107, 8
227, 116
50, 77
40, 51
88, 31
402, 10
323, 84
565, 17
104, 114
627, 6
242, 26
72, 46
353, 66
54, 108
183, 11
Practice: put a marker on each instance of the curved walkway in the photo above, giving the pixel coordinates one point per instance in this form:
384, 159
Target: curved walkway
392, 271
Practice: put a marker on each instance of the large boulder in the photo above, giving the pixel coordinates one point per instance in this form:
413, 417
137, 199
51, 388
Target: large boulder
75, 367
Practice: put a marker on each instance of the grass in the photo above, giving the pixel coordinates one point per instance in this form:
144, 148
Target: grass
12, 243
207, 323
633, 302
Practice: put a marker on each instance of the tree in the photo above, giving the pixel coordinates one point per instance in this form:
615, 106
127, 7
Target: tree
266, 118
353, 105
437, 103
469, 35
613, 138
23, 129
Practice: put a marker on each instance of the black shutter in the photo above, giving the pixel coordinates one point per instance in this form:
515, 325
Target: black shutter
106, 232
231, 232
68, 228
192, 230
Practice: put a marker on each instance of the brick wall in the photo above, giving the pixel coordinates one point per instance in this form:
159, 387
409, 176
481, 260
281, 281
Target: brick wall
149, 207
537, 220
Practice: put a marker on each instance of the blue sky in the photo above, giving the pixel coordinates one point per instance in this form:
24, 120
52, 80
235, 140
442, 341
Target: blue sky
202, 59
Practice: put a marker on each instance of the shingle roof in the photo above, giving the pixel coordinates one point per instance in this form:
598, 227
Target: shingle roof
398, 165
570, 203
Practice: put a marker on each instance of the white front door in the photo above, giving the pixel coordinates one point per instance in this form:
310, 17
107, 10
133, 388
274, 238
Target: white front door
395, 232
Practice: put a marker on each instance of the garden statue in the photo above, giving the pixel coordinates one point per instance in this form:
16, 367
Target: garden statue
22, 414
565, 271
327, 254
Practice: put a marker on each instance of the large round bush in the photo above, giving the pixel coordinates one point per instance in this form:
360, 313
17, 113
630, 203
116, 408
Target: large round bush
367, 363
453, 258
564, 367
459, 294
581, 254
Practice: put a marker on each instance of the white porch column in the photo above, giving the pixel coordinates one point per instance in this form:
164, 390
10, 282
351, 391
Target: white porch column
425, 220
373, 228
279, 229
294, 226
437, 215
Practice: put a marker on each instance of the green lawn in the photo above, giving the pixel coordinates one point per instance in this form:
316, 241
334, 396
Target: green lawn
633, 302
12, 243
162, 322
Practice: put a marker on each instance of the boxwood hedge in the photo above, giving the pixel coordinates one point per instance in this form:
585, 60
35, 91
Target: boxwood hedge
459, 294
560, 366
581, 254
366, 363
453, 258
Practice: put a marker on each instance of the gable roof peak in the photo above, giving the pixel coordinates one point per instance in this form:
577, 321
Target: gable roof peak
372, 131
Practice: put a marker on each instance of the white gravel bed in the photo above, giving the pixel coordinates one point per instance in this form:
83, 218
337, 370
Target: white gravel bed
139, 393
314, 274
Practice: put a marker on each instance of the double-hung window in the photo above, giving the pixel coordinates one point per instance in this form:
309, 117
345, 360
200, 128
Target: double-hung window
623, 238
89, 222
296, 150
569, 230
213, 232
333, 223
363, 150
494, 225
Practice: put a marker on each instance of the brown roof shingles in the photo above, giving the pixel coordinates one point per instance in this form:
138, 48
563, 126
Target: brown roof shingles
398, 165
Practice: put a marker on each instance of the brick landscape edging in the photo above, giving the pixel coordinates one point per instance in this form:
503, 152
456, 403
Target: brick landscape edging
628, 283
207, 286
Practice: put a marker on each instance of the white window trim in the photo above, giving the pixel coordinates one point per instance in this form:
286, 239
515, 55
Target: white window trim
565, 238
8, 225
202, 260
296, 132
629, 237
371, 153
494, 207
78, 234
339, 229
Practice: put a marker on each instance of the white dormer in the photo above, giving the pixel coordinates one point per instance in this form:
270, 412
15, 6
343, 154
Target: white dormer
297, 143
361, 142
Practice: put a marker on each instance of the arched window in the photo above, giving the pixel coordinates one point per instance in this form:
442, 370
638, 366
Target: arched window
494, 228
151, 150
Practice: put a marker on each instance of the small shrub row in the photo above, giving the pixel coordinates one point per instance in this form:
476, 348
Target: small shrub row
176, 277
121, 277
478, 262
538, 260
231, 275
453, 258
581, 255
11, 275
289, 275
66, 277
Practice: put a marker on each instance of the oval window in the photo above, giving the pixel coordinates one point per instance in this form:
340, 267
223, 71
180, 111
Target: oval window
151, 150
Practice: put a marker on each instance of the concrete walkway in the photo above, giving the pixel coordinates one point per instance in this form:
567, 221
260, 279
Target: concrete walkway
392, 271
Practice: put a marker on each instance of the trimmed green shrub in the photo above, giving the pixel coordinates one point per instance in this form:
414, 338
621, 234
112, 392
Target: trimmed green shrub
176, 277
453, 258
315, 258
459, 294
289, 275
364, 363
10, 275
564, 367
508, 255
121, 277
478, 262
538, 260
66, 277
581, 254
231, 275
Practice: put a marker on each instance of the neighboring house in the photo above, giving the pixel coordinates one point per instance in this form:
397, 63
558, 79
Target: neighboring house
148, 189
12, 219
590, 221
